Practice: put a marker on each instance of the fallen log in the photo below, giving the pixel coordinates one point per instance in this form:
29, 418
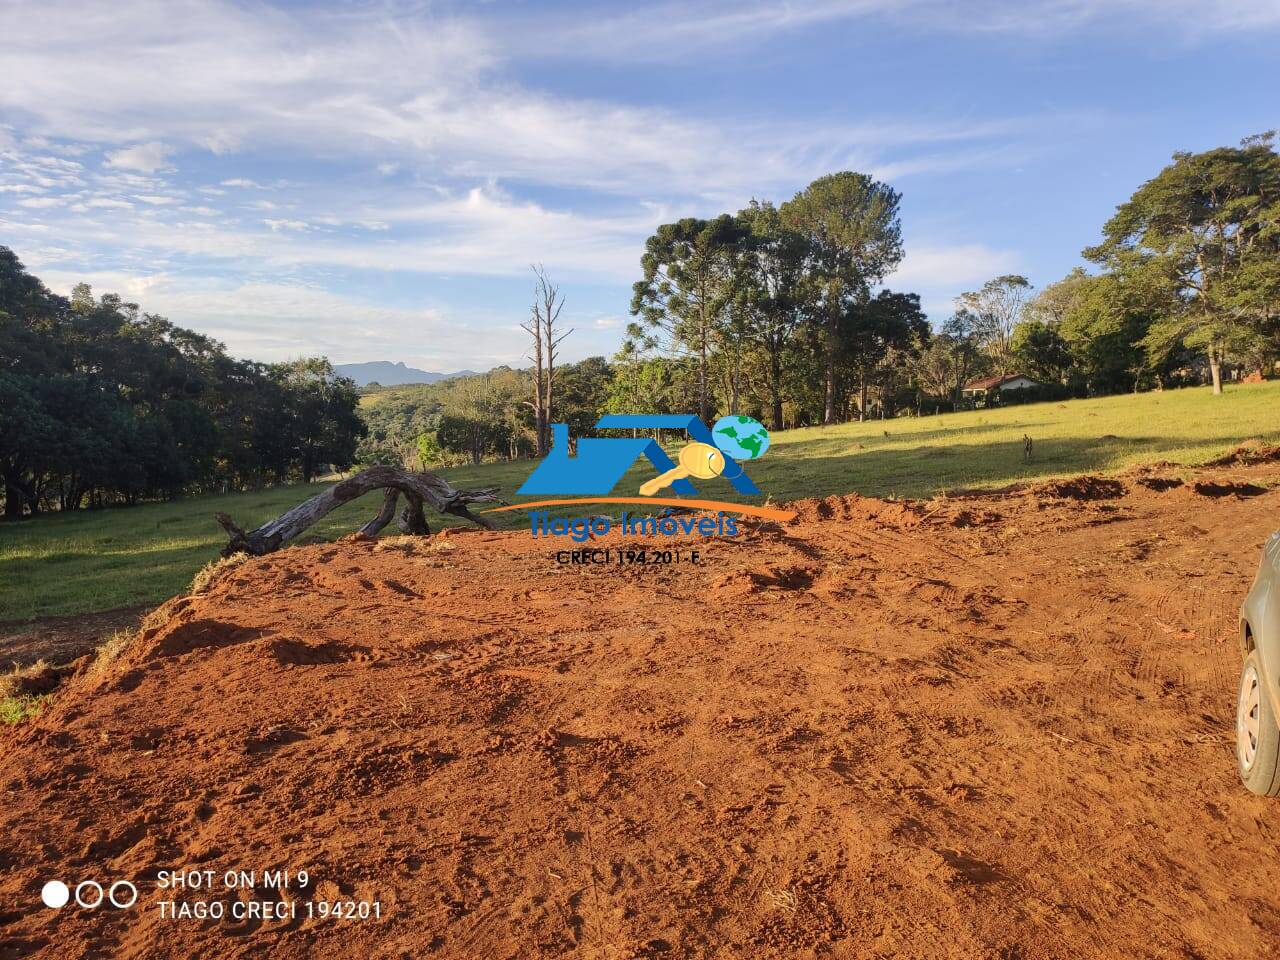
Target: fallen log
419, 490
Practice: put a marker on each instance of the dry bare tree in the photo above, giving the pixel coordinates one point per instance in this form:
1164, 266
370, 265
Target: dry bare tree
544, 315
993, 313
534, 329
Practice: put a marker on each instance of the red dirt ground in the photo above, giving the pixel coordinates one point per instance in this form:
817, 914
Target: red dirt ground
987, 726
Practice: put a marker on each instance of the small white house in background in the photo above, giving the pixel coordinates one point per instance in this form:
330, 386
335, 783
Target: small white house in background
983, 389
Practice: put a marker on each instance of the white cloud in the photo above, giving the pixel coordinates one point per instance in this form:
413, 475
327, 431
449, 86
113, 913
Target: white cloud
146, 157
44, 143
483, 231
37, 203
415, 93
951, 266
221, 75
429, 105
32, 173
1191, 18
110, 203
671, 30
279, 321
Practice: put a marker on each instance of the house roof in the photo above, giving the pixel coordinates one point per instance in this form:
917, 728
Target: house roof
991, 383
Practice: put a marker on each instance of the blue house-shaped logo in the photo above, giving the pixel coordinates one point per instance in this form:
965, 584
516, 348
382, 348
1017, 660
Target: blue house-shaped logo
598, 466
601, 462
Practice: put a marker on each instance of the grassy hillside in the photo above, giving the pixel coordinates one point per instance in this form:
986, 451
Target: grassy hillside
95, 561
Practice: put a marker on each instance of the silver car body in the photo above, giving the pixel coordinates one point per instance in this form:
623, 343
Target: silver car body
1258, 702
1260, 620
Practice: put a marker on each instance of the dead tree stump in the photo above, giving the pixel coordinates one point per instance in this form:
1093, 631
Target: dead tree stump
419, 490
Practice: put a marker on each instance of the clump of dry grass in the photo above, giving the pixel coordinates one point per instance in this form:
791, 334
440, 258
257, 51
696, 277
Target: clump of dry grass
111, 648
784, 900
406, 544
205, 578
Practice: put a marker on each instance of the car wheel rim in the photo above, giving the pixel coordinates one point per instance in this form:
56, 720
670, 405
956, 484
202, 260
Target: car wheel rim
1248, 718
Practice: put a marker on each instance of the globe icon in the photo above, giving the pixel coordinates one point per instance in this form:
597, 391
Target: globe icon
742, 438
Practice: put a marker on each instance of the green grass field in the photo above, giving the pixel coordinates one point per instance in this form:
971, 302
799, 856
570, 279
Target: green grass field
84, 562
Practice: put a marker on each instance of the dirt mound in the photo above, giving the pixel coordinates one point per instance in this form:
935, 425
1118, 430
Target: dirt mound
895, 513
1227, 488
988, 727
1079, 488
967, 517
1154, 466
1248, 453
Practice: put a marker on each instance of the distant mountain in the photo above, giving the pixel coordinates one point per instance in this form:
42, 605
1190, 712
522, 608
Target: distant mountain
392, 374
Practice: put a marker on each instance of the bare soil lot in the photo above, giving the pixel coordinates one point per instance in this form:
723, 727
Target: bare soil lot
988, 726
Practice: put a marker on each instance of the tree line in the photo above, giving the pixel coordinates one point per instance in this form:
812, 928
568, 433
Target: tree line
1187, 291
104, 404
776, 311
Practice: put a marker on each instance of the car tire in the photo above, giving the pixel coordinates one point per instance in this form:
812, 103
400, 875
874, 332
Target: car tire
1257, 736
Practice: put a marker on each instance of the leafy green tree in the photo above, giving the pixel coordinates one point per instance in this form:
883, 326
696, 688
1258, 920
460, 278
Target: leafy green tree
643, 384
474, 437
1040, 352
1052, 304
1104, 328
583, 393
689, 271
934, 365
773, 292
1203, 234
877, 329
25, 428
967, 361
323, 427
850, 222
104, 403
992, 314
429, 449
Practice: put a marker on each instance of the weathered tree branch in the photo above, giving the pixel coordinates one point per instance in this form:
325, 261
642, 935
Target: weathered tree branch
419, 489
385, 515
412, 520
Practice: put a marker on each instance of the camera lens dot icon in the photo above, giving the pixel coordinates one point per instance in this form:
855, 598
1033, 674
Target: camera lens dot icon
55, 894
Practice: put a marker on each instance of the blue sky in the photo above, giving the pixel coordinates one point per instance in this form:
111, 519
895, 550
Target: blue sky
372, 181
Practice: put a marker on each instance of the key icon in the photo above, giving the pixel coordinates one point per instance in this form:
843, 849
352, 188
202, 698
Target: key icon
700, 460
